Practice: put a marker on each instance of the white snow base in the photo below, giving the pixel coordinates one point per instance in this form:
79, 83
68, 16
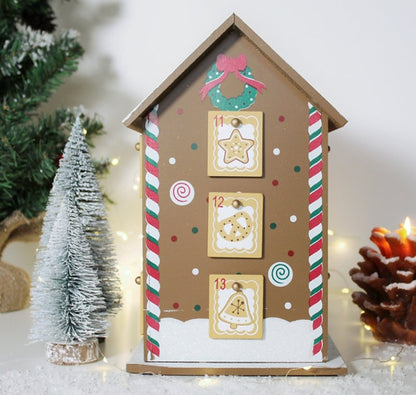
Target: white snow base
282, 341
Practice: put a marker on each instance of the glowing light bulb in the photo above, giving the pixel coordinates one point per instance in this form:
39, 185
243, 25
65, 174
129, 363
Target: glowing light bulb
345, 290
367, 327
84, 131
307, 368
122, 235
342, 245
115, 161
330, 232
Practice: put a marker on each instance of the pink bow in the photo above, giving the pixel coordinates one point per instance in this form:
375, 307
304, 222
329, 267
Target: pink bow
231, 65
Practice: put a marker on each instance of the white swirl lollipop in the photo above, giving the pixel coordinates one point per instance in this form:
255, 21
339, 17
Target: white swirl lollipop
280, 274
182, 193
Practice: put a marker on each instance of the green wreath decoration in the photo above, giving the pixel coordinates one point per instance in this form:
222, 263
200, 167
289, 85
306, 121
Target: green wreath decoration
245, 100
219, 72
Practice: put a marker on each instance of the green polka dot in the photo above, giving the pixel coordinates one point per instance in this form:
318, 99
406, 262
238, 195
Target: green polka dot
197, 307
195, 230
194, 146
273, 225
296, 169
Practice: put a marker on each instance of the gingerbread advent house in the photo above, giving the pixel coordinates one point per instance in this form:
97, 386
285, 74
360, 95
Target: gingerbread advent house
234, 157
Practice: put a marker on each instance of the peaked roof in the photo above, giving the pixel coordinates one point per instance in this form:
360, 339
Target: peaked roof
134, 119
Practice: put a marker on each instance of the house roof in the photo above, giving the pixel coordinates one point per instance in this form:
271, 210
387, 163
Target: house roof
135, 118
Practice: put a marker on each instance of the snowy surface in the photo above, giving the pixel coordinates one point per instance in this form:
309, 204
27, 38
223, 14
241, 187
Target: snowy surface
282, 341
103, 380
24, 370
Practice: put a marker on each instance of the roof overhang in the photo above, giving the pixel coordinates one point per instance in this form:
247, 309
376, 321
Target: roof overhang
135, 119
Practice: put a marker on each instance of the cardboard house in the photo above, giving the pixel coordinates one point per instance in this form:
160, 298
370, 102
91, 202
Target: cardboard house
234, 149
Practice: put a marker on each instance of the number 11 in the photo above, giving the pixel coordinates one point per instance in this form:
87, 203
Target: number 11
221, 118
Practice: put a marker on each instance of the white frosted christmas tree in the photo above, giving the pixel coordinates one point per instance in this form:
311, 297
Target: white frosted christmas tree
67, 302
75, 235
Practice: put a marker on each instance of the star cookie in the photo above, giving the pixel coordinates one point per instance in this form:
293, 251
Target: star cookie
236, 147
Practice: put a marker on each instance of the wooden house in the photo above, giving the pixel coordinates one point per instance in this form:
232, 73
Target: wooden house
234, 148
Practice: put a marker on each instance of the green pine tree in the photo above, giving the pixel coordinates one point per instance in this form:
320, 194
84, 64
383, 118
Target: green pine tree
35, 59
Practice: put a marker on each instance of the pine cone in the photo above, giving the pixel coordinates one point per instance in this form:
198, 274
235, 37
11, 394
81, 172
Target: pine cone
389, 300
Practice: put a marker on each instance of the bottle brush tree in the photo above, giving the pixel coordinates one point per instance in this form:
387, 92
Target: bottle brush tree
76, 284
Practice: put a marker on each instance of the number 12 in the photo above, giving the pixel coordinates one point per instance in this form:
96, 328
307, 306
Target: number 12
218, 201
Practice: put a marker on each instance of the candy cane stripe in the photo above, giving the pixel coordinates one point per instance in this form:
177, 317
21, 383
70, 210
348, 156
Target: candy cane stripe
316, 221
316, 169
152, 322
151, 243
315, 226
315, 158
154, 272
318, 322
152, 181
151, 166
314, 116
152, 228
153, 146
153, 225
152, 259
315, 144
152, 195
152, 208
314, 180
155, 308
152, 294
316, 263
315, 284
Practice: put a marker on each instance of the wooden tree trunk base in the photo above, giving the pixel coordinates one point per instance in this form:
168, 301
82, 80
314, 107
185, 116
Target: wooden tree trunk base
14, 288
73, 353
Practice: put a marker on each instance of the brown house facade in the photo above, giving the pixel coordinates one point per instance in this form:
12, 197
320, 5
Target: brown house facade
234, 158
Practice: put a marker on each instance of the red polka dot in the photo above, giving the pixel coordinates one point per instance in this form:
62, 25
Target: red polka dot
179, 111
275, 183
290, 253
174, 238
176, 305
281, 118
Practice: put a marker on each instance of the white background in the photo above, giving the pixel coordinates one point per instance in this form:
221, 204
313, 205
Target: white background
359, 54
